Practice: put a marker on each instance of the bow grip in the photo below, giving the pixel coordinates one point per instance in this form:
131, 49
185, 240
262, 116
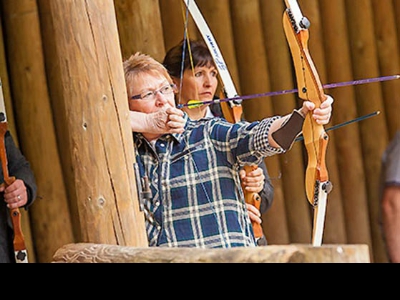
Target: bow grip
255, 200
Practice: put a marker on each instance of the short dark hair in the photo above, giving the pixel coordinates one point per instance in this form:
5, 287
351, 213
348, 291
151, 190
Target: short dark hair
198, 52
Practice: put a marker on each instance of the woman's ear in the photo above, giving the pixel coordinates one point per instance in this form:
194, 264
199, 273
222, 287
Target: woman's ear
175, 80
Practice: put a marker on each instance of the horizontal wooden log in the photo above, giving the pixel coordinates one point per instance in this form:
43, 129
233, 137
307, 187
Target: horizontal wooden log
294, 253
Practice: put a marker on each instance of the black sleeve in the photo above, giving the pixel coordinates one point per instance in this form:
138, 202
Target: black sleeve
216, 109
267, 194
19, 167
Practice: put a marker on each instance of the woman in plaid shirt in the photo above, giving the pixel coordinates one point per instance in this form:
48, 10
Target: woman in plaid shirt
196, 199
196, 75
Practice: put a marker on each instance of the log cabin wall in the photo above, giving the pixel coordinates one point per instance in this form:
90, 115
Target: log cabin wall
55, 55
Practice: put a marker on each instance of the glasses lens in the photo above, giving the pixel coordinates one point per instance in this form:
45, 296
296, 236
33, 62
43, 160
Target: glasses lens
165, 90
147, 96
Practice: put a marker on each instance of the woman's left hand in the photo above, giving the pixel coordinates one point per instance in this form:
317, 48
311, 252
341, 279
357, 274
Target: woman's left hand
15, 194
321, 115
254, 213
253, 182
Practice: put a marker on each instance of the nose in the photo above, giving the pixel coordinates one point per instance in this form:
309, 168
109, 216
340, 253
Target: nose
160, 99
207, 80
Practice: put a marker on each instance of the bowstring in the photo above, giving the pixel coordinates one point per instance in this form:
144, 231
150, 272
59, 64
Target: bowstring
221, 90
185, 39
185, 16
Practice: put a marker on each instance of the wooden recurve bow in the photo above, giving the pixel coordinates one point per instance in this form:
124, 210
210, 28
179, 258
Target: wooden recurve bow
309, 87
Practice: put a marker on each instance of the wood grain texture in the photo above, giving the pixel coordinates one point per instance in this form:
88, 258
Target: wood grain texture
369, 98
49, 213
296, 253
389, 60
139, 35
348, 144
89, 96
173, 16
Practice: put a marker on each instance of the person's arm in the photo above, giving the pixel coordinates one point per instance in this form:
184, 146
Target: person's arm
391, 221
321, 115
169, 120
281, 136
19, 167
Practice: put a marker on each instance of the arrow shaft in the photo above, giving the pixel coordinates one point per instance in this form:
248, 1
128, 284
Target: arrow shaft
283, 92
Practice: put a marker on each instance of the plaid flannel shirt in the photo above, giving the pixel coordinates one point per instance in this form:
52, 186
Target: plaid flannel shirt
194, 178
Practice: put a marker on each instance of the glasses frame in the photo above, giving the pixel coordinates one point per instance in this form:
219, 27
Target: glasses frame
140, 96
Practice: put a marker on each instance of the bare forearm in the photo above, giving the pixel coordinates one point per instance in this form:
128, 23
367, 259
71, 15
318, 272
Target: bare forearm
138, 121
169, 120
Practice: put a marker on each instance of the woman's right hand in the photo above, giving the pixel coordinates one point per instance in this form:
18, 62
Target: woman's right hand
175, 123
166, 120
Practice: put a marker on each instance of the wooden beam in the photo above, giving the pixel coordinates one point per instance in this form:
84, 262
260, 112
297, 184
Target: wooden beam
295, 253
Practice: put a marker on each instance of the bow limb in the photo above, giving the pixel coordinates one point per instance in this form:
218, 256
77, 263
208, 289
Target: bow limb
317, 182
232, 110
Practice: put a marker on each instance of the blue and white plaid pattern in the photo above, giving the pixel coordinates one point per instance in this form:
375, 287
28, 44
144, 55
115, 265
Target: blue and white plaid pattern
195, 183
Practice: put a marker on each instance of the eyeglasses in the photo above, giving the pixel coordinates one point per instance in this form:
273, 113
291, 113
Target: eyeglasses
151, 95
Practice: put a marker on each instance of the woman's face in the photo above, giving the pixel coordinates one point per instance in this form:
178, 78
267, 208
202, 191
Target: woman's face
152, 86
198, 84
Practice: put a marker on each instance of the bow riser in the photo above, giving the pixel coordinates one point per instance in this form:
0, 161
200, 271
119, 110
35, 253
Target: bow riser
317, 182
315, 141
306, 72
309, 88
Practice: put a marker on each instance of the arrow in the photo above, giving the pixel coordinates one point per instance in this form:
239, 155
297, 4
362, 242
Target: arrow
283, 92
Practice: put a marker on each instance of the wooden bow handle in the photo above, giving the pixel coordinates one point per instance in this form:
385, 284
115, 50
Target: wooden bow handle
255, 200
